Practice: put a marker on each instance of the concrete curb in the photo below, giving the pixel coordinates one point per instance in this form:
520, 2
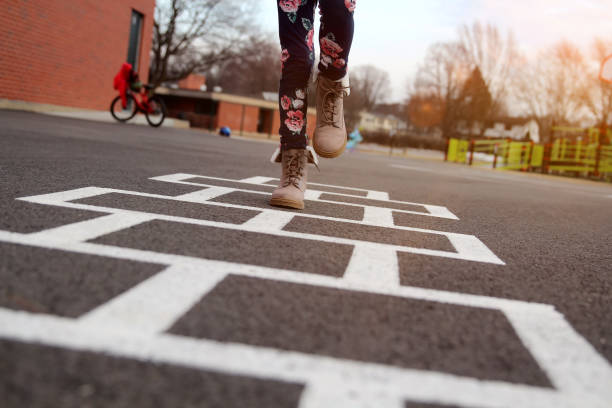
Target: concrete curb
85, 114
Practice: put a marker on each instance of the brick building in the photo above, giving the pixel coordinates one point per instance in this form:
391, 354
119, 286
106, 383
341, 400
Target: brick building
66, 52
212, 110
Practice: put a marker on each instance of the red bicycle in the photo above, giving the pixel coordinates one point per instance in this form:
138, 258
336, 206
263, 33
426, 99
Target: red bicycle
153, 107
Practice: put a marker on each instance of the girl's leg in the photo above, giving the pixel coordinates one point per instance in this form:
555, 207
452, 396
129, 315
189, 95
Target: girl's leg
335, 37
295, 26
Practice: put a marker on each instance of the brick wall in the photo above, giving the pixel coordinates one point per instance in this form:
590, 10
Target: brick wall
193, 81
230, 114
66, 52
311, 123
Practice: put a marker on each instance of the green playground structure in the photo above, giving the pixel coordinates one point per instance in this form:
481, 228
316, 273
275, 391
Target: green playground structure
574, 151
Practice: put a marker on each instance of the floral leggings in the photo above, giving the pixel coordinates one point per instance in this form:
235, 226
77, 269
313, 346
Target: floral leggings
295, 26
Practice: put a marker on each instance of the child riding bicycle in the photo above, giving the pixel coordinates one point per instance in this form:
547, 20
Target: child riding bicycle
134, 97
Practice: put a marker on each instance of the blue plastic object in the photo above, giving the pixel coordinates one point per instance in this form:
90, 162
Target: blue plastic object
225, 131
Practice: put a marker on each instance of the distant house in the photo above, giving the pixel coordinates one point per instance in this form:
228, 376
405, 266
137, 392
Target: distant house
505, 128
528, 130
378, 122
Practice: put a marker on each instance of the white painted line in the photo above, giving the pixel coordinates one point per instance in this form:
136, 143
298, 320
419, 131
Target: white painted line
441, 212
156, 303
269, 221
257, 180
312, 195
378, 216
378, 195
94, 228
319, 394
174, 178
423, 169
471, 248
201, 196
325, 373
374, 267
572, 364
340, 187
66, 196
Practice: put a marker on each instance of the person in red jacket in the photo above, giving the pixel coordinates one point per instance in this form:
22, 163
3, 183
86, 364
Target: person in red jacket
126, 78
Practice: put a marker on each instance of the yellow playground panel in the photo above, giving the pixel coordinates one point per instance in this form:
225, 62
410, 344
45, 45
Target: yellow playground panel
505, 154
573, 157
585, 156
457, 150
604, 165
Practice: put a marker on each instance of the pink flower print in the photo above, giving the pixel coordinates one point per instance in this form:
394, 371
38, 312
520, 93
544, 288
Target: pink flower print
325, 60
298, 104
300, 94
284, 57
350, 5
289, 6
309, 40
339, 63
329, 46
285, 102
295, 121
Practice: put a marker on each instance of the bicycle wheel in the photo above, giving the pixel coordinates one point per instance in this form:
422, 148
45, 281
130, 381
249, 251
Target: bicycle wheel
157, 113
121, 114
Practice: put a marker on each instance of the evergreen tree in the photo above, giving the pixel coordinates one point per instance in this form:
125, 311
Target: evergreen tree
476, 100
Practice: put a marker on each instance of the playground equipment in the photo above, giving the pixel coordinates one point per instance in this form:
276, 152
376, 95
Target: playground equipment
590, 156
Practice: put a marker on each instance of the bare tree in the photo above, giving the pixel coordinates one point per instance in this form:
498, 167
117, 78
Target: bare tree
191, 36
597, 94
552, 88
369, 86
251, 73
439, 82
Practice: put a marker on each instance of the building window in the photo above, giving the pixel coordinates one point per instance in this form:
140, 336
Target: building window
134, 44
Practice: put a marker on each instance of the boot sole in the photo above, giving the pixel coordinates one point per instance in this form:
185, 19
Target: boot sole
284, 202
329, 155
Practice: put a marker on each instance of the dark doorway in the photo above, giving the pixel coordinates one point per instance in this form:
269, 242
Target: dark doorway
264, 122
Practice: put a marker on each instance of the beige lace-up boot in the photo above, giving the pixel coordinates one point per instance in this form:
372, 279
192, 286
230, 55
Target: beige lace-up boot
329, 139
290, 191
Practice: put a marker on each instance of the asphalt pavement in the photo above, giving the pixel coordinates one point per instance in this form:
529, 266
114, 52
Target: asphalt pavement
144, 267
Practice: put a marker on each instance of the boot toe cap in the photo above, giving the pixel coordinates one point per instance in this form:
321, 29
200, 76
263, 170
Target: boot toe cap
330, 143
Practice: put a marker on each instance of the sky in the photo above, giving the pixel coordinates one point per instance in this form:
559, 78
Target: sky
394, 34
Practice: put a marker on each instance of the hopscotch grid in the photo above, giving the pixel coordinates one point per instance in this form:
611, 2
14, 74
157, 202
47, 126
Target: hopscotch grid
536, 325
483, 254
48, 199
180, 177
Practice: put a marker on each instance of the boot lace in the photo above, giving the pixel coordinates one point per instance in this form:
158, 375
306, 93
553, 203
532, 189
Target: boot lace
295, 171
330, 98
